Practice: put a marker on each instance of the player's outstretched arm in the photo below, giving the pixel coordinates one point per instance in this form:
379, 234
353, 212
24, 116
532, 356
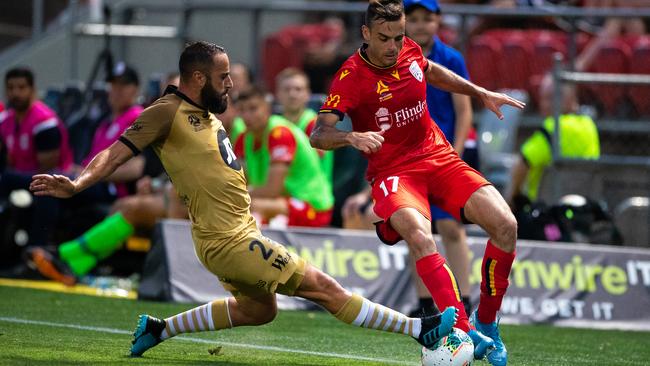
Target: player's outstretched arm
445, 79
102, 165
326, 136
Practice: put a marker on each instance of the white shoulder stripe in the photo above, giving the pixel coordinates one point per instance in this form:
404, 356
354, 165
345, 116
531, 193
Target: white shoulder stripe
47, 124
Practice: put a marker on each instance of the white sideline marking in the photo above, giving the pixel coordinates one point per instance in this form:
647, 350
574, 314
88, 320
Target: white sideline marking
201, 340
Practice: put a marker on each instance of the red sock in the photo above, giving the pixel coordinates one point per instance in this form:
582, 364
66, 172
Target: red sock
440, 282
495, 269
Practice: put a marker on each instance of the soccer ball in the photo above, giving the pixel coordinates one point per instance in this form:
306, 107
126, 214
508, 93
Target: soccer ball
456, 349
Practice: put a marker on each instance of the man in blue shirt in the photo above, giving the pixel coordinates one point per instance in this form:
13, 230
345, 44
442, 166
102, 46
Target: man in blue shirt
453, 114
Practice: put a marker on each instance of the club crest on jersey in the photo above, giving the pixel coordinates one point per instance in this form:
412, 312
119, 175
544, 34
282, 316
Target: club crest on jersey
195, 122
384, 91
416, 71
383, 118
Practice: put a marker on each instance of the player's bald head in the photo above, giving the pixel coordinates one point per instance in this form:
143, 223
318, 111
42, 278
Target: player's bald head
384, 11
198, 56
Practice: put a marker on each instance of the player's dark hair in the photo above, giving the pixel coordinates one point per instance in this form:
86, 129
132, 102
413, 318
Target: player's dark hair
197, 56
384, 11
250, 93
20, 72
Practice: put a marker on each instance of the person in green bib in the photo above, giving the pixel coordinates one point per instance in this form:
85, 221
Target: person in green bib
578, 139
292, 92
282, 169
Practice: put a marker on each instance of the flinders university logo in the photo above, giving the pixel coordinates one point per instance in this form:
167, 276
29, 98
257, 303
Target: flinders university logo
383, 118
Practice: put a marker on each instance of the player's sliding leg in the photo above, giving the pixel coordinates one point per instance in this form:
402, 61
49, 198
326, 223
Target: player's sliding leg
487, 208
215, 315
358, 311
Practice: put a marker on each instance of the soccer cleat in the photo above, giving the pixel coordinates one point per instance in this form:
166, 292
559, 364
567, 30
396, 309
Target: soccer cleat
435, 327
497, 355
147, 334
48, 265
481, 343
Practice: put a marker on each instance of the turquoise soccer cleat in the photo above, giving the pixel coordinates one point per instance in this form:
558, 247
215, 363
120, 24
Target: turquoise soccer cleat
481, 343
496, 355
434, 327
147, 334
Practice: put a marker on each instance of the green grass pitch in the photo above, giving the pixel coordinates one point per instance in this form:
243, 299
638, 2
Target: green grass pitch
48, 328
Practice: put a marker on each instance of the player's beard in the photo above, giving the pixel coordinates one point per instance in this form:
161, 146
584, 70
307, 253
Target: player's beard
212, 100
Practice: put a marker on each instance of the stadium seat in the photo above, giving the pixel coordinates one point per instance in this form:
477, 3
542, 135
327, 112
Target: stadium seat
482, 60
613, 58
517, 54
545, 46
640, 64
278, 53
287, 47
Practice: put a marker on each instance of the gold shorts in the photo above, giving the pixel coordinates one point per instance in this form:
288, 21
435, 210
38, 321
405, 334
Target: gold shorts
253, 265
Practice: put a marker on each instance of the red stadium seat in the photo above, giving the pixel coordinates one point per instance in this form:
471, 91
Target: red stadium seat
640, 64
482, 60
287, 47
516, 56
545, 46
279, 53
613, 58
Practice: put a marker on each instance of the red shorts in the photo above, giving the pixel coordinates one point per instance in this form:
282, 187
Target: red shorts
447, 183
302, 213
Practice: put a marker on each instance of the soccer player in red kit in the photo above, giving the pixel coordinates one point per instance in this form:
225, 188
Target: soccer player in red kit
382, 87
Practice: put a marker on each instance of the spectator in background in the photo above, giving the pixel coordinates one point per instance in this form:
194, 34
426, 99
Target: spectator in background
35, 138
122, 98
578, 139
282, 168
242, 79
293, 93
172, 78
35, 141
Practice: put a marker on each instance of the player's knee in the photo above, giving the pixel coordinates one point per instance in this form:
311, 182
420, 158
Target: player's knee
420, 240
507, 233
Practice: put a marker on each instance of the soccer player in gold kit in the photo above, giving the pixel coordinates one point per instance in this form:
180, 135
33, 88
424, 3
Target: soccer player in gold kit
197, 154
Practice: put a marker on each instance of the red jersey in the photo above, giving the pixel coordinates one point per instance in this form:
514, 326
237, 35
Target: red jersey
393, 99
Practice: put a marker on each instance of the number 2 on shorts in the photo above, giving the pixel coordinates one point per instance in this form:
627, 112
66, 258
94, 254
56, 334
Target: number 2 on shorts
393, 187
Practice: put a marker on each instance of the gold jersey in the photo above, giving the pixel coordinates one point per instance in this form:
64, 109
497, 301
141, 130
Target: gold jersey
195, 150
